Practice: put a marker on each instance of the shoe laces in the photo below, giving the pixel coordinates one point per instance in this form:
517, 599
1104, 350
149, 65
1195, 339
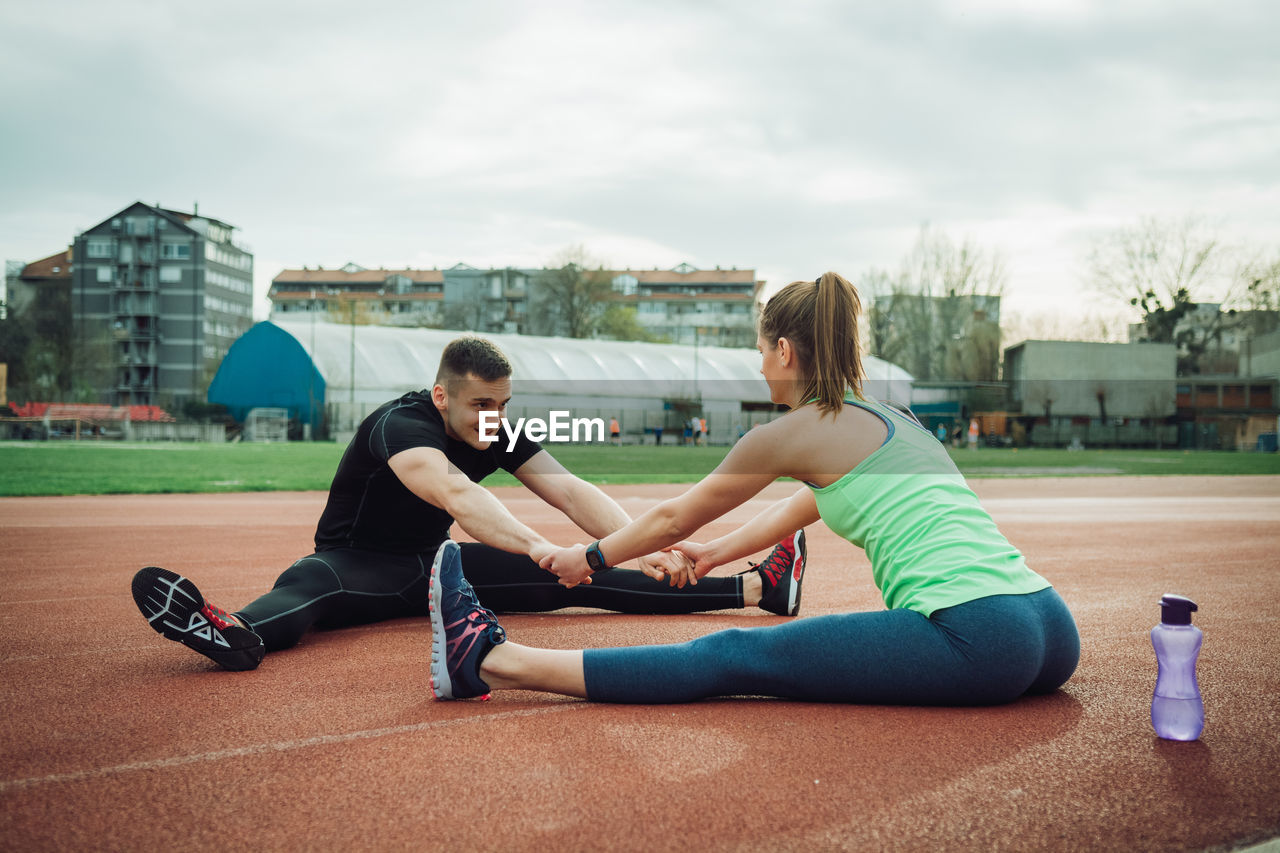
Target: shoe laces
778, 563
484, 616
218, 616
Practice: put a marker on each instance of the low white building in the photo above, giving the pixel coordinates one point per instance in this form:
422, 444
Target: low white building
346, 371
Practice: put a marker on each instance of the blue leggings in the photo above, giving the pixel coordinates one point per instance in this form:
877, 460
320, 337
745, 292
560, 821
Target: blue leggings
983, 652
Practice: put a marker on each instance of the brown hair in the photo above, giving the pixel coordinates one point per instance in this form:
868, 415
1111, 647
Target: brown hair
474, 356
820, 319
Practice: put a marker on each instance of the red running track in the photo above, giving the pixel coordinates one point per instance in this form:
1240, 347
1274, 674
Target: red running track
115, 739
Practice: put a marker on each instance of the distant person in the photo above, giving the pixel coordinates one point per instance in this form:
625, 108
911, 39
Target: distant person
973, 433
615, 431
688, 431
942, 433
967, 622
702, 430
657, 435
412, 470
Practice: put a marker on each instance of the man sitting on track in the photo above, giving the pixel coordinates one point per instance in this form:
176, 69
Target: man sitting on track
412, 469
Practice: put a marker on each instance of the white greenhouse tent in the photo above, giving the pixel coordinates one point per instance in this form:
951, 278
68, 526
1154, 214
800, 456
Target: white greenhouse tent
644, 385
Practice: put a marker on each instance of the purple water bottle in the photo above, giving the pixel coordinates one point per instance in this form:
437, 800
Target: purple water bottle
1177, 713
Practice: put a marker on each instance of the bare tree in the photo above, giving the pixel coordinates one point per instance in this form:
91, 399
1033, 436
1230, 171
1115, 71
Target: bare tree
1156, 259
348, 307
1167, 270
1258, 286
1045, 326
938, 317
1041, 393
570, 297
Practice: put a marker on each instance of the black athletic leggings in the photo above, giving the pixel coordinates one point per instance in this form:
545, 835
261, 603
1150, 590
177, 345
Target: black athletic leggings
347, 586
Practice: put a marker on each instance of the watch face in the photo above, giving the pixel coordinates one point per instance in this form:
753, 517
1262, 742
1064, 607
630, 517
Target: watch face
594, 558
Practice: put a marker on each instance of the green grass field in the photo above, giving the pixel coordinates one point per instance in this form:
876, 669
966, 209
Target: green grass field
98, 468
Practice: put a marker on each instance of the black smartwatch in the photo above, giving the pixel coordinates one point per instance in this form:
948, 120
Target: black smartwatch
595, 559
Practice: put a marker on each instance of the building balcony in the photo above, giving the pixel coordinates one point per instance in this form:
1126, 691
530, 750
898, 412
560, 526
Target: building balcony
133, 285
137, 309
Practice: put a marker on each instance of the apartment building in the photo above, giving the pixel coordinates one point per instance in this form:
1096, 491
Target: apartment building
680, 305
160, 295
406, 297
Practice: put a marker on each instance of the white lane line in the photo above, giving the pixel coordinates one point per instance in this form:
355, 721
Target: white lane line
278, 746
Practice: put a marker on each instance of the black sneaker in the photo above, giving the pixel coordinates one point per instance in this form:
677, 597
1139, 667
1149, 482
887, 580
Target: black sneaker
174, 607
781, 574
462, 632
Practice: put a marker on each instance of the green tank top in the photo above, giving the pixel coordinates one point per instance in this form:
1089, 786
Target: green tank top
930, 542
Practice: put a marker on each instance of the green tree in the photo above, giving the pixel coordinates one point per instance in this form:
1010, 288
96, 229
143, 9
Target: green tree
16, 336
621, 323
36, 342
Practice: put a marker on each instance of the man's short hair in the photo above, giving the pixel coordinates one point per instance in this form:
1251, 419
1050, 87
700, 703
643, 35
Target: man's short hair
471, 356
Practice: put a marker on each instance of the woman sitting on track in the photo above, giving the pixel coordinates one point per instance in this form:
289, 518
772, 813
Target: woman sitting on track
967, 622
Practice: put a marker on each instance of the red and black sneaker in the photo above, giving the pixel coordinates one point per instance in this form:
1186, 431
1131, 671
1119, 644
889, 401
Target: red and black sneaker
781, 574
174, 607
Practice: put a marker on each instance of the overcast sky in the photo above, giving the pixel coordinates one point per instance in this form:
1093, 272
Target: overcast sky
789, 137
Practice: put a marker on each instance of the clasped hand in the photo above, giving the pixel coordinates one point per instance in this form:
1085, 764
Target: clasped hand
570, 566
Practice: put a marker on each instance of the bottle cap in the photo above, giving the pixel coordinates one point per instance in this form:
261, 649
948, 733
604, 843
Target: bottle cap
1176, 609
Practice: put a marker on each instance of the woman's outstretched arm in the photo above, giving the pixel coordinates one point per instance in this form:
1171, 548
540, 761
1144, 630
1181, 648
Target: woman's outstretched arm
752, 464
769, 527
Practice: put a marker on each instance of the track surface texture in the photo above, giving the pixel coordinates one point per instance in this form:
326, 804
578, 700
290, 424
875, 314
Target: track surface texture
113, 738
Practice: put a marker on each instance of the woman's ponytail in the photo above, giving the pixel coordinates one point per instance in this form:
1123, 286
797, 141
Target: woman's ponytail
820, 318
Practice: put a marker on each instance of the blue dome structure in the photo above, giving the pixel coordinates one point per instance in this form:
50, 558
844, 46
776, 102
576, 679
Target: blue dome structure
268, 367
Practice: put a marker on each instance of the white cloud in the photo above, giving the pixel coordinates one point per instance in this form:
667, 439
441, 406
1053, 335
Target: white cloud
792, 138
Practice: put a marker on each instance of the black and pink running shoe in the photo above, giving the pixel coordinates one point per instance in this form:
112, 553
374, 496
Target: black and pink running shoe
782, 573
174, 607
462, 632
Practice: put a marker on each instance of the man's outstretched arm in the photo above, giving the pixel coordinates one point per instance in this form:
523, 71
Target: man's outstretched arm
586, 505
427, 473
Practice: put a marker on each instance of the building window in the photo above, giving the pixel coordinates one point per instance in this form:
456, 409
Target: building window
105, 275
175, 251
98, 249
170, 273
142, 225
626, 284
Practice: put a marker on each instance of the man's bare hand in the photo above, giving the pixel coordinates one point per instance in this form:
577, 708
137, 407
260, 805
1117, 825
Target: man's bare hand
699, 555
569, 565
670, 565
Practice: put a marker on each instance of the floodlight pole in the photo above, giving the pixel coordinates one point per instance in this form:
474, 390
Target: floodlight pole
352, 305
697, 389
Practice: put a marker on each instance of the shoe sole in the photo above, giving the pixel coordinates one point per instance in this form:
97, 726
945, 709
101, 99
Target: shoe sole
797, 574
171, 605
441, 684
